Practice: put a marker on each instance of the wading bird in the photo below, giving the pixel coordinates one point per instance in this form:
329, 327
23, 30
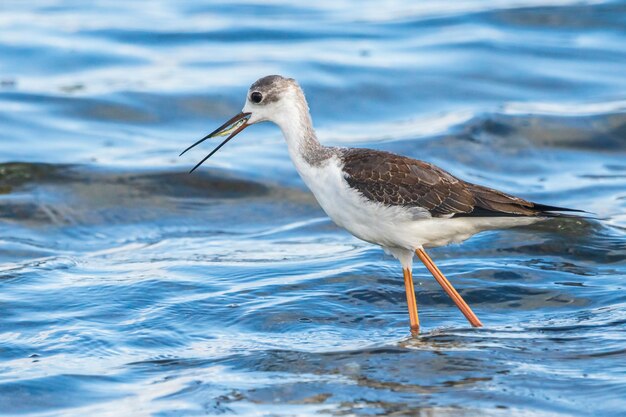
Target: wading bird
399, 203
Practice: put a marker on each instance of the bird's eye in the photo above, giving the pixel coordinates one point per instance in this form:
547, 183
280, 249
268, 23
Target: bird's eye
256, 97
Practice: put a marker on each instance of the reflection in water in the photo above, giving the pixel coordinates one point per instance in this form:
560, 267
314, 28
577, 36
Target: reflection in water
128, 284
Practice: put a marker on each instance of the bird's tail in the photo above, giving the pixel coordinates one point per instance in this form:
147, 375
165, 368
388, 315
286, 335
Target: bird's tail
490, 202
555, 211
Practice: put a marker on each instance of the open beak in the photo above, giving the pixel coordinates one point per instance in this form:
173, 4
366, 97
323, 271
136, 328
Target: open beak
231, 128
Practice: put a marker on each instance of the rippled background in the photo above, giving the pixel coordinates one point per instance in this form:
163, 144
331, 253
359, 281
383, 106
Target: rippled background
128, 287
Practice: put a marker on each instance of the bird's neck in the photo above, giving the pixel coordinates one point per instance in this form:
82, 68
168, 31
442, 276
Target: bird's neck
304, 148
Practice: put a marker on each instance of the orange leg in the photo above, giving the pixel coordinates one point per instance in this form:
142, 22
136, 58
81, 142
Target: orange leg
448, 288
410, 300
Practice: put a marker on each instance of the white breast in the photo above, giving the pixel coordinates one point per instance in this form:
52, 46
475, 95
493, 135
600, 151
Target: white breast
367, 220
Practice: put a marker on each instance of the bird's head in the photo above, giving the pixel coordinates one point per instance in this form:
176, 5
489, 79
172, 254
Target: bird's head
272, 98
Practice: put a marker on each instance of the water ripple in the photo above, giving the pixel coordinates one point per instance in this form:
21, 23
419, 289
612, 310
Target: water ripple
129, 286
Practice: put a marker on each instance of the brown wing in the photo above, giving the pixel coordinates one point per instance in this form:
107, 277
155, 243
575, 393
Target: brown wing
400, 181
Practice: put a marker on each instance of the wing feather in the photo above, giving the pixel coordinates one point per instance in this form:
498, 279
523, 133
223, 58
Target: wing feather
396, 180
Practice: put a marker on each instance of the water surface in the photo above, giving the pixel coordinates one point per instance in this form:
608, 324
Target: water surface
128, 287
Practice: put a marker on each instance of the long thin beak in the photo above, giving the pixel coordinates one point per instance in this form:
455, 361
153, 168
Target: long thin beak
232, 127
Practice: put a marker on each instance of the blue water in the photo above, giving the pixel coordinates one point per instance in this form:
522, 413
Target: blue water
128, 287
